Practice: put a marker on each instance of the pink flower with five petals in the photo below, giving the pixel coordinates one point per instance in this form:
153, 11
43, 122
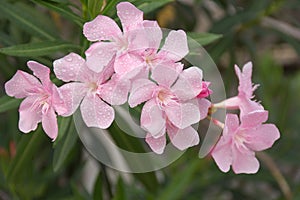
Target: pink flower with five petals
170, 106
239, 142
42, 99
95, 91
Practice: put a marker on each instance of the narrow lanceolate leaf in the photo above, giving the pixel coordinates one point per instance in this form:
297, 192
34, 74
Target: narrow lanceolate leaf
149, 6
62, 9
8, 103
38, 48
64, 147
204, 38
29, 19
94, 7
98, 187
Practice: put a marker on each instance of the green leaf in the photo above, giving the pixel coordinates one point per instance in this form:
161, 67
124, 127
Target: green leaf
38, 48
149, 6
26, 149
62, 9
204, 38
94, 7
120, 190
8, 103
29, 20
98, 193
64, 147
180, 181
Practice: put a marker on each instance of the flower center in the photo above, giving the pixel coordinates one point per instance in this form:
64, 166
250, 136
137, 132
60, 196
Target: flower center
166, 98
93, 87
122, 43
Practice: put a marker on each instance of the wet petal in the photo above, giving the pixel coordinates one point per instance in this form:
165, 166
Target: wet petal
69, 68
21, 85
254, 119
231, 124
183, 115
101, 28
29, 115
49, 123
40, 71
99, 55
72, 94
96, 113
175, 47
244, 161
57, 101
222, 154
152, 119
183, 138
128, 65
189, 84
142, 90
203, 105
156, 144
129, 15
115, 91
263, 137
165, 74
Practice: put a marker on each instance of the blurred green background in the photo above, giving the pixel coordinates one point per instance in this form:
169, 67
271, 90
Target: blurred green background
266, 32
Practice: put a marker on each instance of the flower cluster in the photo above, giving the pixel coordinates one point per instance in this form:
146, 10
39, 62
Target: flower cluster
129, 66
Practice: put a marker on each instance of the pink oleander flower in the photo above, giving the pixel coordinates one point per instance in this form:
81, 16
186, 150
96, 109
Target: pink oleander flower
239, 142
170, 106
95, 91
42, 99
245, 92
205, 91
111, 42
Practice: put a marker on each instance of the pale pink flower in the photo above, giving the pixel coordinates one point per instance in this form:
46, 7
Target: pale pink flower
169, 106
95, 91
239, 142
245, 92
42, 99
205, 91
111, 42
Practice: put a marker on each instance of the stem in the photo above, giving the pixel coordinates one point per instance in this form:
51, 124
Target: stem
106, 181
283, 185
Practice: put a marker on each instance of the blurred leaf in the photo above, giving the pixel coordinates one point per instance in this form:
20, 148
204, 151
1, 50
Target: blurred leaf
98, 190
64, 125
120, 190
204, 38
26, 149
64, 146
8, 103
6, 39
38, 48
110, 6
149, 5
94, 7
180, 181
30, 21
62, 9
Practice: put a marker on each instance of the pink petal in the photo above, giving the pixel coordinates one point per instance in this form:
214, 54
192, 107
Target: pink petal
244, 161
245, 82
69, 68
21, 85
254, 119
128, 65
231, 124
30, 115
142, 90
40, 71
183, 138
129, 15
152, 119
247, 106
203, 105
156, 144
175, 47
222, 154
49, 123
101, 28
183, 115
99, 55
263, 137
189, 84
115, 91
72, 94
57, 101
96, 113
165, 74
